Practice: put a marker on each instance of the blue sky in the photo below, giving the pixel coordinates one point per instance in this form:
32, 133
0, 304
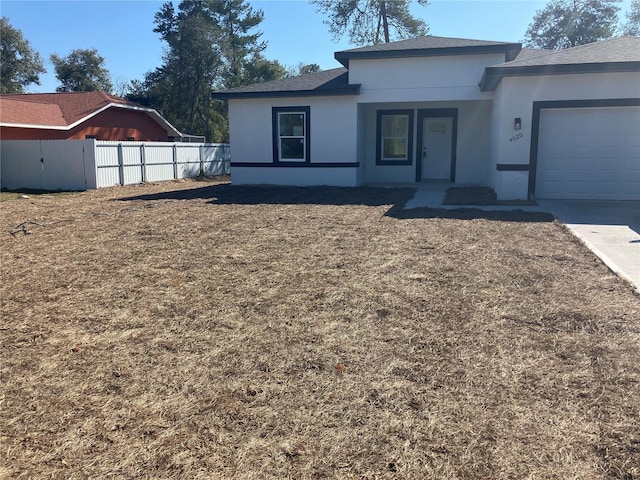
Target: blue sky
122, 30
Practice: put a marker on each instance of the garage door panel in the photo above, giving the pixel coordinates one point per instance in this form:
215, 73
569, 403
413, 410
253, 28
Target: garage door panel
588, 153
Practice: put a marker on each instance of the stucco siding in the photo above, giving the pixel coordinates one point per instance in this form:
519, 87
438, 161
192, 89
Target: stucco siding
333, 139
303, 177
514, 98
519, 93
332, 129
426, 79
473, 142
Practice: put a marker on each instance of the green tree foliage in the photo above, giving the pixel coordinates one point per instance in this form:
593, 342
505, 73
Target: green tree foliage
632, 26
258, 69
308, 68
569, 23
180, 88
81, 71
20, 65
371, 21
302, 69
211, 44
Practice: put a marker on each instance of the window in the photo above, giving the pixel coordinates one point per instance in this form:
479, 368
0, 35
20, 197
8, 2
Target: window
291, 134
394, 137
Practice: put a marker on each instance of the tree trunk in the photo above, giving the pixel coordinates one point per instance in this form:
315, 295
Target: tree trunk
385, 21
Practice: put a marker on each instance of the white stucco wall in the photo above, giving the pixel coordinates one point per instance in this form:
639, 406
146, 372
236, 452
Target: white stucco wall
514, 98
472, 157
332, 140
421, 79
343, 128
302, 177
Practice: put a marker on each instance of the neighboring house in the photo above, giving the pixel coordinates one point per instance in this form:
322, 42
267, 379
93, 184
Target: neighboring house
79, 116
529, 123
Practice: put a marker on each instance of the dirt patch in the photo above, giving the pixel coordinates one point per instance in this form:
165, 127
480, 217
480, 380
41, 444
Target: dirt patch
470, 196
199, 330
479, 195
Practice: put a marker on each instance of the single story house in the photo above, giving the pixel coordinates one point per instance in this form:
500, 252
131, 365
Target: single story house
529, 123
79, 116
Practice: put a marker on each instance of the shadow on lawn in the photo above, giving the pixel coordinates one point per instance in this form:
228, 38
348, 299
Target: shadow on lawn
227, 194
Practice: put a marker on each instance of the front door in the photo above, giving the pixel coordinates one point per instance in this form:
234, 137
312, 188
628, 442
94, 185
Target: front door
436, 144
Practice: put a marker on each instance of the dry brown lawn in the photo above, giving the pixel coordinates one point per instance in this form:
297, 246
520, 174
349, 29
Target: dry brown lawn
191, 330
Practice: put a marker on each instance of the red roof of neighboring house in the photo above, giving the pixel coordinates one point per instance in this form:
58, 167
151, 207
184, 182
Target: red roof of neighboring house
64, 110
30, 113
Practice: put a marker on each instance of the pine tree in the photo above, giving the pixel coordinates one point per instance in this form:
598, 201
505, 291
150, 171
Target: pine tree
569, 23
371, 21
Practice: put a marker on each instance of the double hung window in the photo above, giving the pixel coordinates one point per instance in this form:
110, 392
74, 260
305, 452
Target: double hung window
394, 137
291, 134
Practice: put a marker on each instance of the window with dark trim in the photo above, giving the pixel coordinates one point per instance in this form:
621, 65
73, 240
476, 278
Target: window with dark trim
394, 137
290, 134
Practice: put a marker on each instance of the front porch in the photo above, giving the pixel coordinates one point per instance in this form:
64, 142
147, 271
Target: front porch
408, 143
449, 196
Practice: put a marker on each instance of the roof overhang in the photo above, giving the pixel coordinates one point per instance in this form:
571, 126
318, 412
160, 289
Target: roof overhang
493, 75
346, 91
509, 49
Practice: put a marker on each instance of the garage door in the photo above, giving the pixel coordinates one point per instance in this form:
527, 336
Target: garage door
589, 153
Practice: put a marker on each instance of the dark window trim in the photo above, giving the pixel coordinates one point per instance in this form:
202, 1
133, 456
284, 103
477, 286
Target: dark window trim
512, 167
276, 134
562, 104
434, 113
350, 90
396, 163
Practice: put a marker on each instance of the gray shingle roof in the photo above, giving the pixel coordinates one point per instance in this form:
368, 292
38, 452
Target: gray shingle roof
617, 54
527, 53
428, 45
621, 49
324, 83
620, 54
425, 42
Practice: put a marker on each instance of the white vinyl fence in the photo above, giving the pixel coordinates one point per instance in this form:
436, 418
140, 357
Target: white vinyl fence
125, 163
87, 164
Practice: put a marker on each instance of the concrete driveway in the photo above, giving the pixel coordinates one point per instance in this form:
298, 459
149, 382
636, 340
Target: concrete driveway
611, 229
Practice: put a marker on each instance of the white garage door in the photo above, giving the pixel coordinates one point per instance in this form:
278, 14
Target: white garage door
589, 153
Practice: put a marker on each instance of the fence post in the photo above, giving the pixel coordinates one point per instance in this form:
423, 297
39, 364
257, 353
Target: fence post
143, 163
120, 164
175, 161
201, 156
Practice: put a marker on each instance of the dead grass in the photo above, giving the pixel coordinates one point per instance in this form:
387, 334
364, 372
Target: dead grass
196, 330
6, 195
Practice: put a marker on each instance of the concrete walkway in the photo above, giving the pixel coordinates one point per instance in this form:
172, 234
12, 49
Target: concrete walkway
611, 229
431, 195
